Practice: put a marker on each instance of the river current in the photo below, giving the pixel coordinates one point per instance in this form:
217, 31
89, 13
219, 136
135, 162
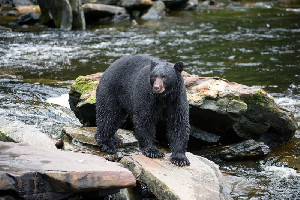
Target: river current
258, 47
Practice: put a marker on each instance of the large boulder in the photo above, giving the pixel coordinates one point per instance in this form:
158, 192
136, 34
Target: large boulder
29, 172
201, 180
230, 110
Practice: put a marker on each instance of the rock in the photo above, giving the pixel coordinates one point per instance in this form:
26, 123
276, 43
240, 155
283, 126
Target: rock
94, 12
174, 4
233, 111
82, 139
201, 180
82, 98
2, 29
77, 15
245, 150
106, 2
60, 11
157, 11
6, 3
85, 135
192, 5
28, 9
29, 172
28, 18
26, 134
17, 3
135, 4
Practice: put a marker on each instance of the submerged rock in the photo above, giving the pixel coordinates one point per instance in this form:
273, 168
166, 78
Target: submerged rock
201, 180
244, 150
28, 18
230, 110
29, 172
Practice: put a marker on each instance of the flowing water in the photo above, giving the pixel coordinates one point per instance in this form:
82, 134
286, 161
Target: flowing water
258, 47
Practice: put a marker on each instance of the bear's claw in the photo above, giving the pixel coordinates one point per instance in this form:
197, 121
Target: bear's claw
180, 160
153, 153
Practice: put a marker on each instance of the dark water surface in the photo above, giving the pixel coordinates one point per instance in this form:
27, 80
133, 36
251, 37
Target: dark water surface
258, 47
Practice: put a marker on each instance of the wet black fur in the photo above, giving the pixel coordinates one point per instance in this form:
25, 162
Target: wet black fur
126, 89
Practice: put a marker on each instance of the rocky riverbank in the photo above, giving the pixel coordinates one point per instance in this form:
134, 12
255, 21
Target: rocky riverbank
38, 172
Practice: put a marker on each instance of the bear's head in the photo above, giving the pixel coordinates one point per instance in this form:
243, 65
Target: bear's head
164, 75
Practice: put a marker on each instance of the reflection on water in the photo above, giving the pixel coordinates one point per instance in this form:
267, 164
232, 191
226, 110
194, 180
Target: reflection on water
259, 48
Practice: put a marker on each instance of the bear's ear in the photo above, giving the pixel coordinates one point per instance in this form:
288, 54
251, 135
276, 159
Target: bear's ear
152, 65
179, 66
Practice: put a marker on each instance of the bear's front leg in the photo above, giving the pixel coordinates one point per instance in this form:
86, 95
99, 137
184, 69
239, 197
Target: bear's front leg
178, 131
145, 132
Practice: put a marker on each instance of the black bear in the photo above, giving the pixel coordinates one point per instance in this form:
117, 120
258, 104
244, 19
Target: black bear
147, 89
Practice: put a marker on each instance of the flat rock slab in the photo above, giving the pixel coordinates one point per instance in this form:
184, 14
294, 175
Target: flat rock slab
201, 180
35, 173
26, 134
86, 135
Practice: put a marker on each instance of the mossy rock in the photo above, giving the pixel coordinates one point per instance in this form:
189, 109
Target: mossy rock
233, 111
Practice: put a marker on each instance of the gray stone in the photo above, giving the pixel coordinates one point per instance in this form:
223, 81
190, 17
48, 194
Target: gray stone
25, 134
96, 12
2, 29
36, 173
106, 2
135, 4
245, 150
17, 3
201, 180
157, 11
28, 18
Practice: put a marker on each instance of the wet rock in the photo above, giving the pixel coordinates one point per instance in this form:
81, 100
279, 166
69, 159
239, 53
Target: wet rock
26, 134
135, 4
2, 29
101, 12
245, 150
28, 9
192, 5
17, 3
28, 18
82, 98
6, 3
36, 173
201, 180
230, 110
106, 2
157, 11
82, 139
86, 135
58, 11
175, 4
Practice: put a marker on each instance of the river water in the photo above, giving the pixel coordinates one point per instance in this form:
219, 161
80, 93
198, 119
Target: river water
258, 47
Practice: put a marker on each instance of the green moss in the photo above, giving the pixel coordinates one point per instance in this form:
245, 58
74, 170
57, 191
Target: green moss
261, 97
4, 138
236, 106
84, 85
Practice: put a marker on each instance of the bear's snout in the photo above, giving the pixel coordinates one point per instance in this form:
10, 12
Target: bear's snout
158, 85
